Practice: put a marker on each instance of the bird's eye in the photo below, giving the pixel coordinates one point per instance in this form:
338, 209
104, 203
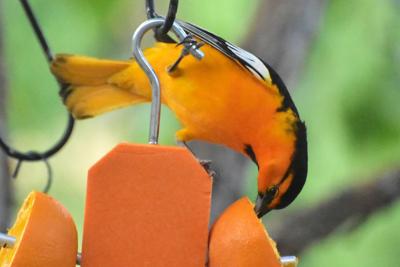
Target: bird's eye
273, 191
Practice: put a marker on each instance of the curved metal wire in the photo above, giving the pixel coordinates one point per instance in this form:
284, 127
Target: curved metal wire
48, 167
37, 156
161, 32
37, 30
34, 155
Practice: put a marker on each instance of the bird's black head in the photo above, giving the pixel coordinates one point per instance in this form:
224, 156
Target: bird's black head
280, 195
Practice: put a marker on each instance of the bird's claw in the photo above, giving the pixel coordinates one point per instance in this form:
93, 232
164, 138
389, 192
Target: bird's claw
206, 164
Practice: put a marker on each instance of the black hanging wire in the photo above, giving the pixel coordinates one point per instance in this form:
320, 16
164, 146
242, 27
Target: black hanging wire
33, 155
161, 33
37, 30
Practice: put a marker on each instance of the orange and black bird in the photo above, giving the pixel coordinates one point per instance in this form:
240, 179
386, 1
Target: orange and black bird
230, 97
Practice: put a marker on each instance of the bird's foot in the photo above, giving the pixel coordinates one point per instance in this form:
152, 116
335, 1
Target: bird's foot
206, 164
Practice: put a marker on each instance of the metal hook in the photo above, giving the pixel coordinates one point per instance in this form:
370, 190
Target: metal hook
160, 32
48, 167
155, 83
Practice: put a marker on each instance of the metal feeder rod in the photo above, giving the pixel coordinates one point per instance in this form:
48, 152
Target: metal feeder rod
7, 241
289, 261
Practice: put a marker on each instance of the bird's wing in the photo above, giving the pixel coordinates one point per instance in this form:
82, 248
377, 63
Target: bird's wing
241, 56
257, 67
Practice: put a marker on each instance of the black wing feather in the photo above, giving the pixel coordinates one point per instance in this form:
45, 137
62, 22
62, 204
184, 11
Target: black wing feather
244, 58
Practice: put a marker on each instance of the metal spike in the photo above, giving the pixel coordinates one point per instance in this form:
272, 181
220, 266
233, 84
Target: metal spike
289, 261
7, 241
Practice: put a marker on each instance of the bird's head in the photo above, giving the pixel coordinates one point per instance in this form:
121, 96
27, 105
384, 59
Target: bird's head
280, 194
278, 187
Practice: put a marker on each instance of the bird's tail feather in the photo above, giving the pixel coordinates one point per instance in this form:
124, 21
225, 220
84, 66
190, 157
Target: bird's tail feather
88, 91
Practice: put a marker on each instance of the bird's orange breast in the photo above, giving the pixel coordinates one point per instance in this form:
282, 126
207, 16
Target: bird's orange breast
217, 100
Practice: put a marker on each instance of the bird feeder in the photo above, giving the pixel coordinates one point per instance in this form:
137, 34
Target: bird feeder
149, 205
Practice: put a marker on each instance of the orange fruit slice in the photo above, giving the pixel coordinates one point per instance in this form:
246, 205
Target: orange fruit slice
46, 235
239, 239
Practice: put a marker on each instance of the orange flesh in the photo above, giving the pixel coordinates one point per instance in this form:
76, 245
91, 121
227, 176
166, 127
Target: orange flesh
17, 230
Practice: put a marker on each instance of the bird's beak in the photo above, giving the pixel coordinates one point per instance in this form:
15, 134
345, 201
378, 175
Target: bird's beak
262, 203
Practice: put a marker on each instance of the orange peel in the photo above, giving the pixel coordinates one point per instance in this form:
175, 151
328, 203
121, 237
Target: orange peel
239, 239
45, 235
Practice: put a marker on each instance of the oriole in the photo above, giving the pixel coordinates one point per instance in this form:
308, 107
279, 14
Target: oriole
230, 97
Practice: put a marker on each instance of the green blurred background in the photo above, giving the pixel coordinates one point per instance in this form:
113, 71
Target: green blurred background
348, 95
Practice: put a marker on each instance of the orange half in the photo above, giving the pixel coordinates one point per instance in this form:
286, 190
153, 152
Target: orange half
238, 239
46, 235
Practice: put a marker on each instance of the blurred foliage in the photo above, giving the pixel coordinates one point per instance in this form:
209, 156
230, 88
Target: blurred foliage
349, 92
348, 96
